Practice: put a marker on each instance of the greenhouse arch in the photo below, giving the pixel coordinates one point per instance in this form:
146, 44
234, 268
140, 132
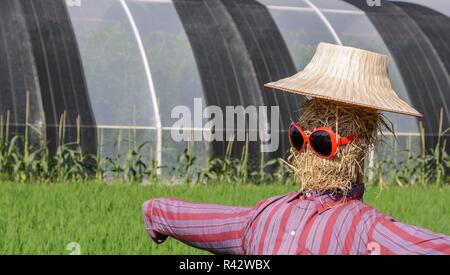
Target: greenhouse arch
117, 68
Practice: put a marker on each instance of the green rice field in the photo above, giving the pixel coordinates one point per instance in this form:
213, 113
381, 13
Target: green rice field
106, 218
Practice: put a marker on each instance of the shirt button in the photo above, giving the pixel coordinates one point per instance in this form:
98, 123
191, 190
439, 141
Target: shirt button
308, 194
292, 232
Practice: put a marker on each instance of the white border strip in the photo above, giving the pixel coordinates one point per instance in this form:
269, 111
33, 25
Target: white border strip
155, 1
131, 127
355, 12
125, 127
150, 84
287, 8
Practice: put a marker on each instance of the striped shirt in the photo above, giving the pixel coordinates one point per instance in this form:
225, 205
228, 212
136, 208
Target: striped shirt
295, 223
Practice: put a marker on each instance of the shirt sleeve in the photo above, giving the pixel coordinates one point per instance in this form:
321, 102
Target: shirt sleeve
390, 237
216, 228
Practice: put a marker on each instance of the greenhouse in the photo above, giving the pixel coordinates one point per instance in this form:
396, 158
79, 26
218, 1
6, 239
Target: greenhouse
113, 70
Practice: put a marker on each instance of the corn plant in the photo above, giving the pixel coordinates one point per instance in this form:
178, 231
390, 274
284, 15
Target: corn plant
22, 161
115, 162
134, 167
100, 161
429, 167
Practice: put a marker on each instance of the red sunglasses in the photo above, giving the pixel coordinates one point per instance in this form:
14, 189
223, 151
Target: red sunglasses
322, 140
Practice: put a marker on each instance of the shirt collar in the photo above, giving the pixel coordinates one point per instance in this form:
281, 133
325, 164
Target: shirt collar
326, 200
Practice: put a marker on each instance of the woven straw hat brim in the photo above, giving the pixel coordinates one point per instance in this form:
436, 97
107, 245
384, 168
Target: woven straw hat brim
411, 112
347, 75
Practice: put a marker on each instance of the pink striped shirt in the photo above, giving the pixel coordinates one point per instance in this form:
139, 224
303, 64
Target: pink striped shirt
296, 223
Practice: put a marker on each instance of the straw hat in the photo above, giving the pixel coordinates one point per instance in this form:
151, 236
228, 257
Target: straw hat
348, 75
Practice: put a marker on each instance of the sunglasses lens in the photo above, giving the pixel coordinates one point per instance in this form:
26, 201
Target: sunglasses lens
321, 143
296, 138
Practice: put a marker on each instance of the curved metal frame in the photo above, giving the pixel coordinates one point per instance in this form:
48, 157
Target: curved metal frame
325, 21
150, 84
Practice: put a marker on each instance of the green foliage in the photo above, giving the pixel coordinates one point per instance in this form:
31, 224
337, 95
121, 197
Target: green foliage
430, 167
24, 162
107, 219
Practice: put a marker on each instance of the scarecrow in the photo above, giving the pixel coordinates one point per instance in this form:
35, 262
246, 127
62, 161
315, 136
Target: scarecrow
347, 89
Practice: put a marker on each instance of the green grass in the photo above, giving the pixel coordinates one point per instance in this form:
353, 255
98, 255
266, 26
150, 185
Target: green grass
106, 219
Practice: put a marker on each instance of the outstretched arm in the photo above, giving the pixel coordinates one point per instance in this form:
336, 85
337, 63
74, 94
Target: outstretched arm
216, 228
392, 237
